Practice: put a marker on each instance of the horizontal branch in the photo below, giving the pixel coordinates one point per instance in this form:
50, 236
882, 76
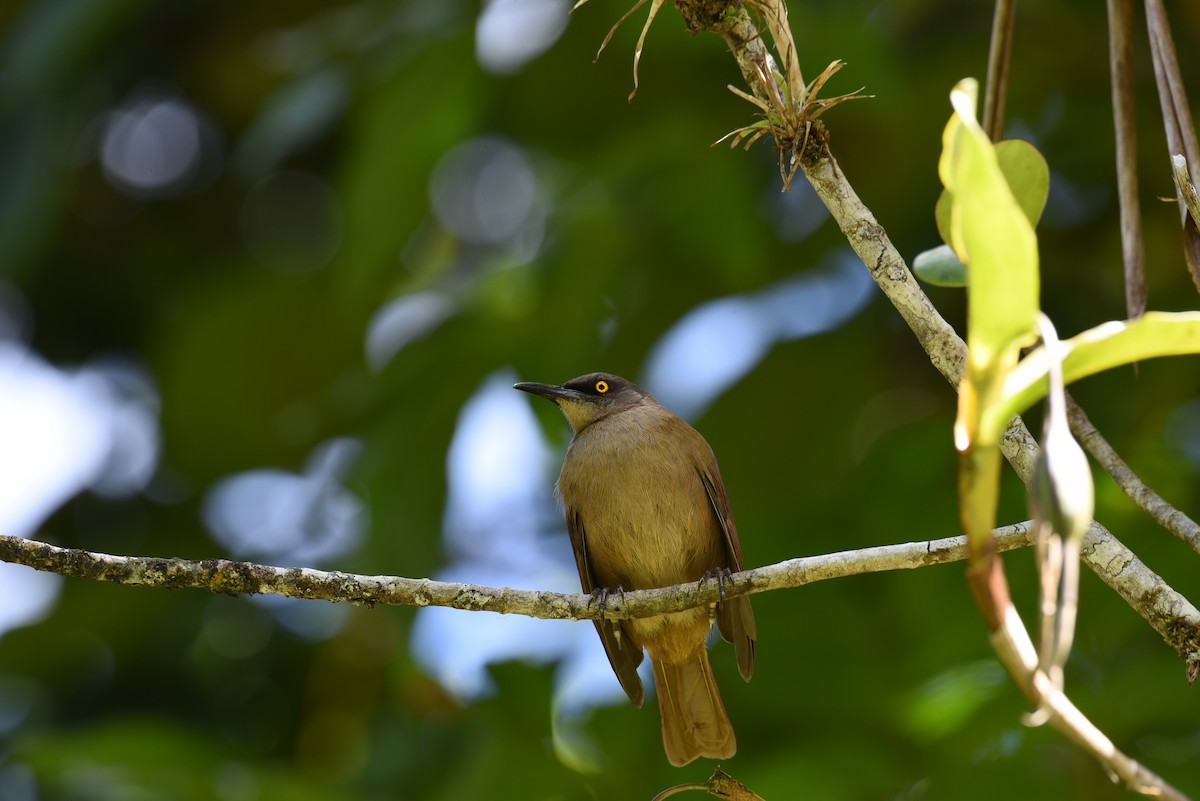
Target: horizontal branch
232, 578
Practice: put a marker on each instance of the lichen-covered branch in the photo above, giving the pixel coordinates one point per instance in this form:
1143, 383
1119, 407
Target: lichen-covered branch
1172, 615
232, 578
1169, 613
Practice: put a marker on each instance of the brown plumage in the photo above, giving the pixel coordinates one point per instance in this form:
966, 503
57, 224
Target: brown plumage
645, 508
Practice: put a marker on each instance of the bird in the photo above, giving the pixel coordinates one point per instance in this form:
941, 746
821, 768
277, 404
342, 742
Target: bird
646, 507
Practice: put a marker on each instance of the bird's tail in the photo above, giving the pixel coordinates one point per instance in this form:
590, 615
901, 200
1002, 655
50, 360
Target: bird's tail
694, 722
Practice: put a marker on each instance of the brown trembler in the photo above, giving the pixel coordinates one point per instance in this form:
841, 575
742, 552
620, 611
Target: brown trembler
645, 508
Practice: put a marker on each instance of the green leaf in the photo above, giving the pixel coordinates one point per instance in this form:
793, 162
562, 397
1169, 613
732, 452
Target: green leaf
1027, 175
940, 267
1101, 348
1028, 178
992, 236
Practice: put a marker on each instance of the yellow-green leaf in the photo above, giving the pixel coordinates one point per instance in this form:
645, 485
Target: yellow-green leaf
1027, 174
1101, 348
1028, 177
992, 236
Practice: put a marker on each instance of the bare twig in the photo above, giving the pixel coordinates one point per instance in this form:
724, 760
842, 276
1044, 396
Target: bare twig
1120, 56
1150, 501
999, 58
229, 577
1177, 118
662, 795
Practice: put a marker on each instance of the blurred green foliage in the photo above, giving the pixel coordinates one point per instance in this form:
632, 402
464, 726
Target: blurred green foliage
871, 687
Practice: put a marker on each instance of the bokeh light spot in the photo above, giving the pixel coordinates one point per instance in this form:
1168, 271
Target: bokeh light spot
510, 33
154, 144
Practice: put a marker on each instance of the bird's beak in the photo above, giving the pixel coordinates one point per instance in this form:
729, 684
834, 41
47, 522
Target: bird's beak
547, 391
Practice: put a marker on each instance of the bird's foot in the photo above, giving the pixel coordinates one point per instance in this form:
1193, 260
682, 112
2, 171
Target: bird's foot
600, 597
720, 575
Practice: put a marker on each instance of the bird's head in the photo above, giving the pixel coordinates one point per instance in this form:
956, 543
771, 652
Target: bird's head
590, 397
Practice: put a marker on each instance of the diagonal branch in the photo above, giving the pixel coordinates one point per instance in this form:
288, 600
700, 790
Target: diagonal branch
1172, 615
1147, 499
233, 578
1169, 613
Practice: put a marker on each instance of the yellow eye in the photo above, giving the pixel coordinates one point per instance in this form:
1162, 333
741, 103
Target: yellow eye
602, 387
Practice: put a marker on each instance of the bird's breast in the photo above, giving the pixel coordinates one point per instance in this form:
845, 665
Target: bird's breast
633, 480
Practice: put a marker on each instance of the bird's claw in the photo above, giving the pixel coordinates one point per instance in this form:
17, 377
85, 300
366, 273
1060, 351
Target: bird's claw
600, 597
720, 575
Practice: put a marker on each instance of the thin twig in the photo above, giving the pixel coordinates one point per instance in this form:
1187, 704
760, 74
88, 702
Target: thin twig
999, 58
1177, 118
1120, 56
663, 795
1150, 501
1166, 71
229, 577
719, 785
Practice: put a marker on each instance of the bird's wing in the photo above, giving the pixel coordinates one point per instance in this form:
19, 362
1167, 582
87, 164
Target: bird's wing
623, 653
735, 618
